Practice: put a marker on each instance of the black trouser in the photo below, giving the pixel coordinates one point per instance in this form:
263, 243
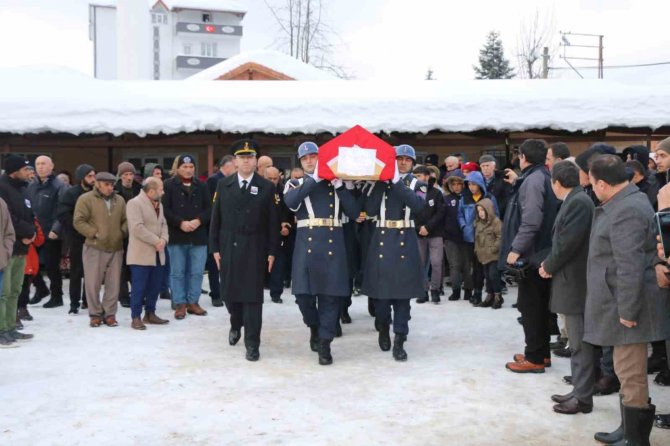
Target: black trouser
401, 311
321, 311
213, 277
249, 316
24, 296
492, 274
124, 290
51, 254
278, 273
76, 272
533, 303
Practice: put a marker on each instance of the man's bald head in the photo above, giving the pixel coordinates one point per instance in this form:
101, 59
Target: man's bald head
44, 166
263, 163
272, 174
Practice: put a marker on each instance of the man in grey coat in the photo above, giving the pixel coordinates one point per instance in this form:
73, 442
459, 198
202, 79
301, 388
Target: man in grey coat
625, 307
566, 265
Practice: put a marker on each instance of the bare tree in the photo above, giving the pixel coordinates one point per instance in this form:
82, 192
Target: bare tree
304, 34
534, 35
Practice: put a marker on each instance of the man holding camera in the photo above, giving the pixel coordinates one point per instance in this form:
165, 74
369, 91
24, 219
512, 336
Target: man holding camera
526, 241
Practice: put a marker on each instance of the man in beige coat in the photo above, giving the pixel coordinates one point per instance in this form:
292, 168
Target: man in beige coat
100, 216
146, 251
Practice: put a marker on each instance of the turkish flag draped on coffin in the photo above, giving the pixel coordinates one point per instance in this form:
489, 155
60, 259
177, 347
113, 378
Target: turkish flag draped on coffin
356, 154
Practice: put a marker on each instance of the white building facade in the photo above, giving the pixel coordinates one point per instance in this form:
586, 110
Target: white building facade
186, 37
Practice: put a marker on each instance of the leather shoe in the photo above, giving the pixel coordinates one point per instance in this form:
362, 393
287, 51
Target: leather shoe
110, 321
606, 385
520, 358
253, 354
573, 406
524, 367
663, 421
196, 309
137, 324
217, 302
278, 300
234, 336
564, 352
180, 311
561, 398
152, 318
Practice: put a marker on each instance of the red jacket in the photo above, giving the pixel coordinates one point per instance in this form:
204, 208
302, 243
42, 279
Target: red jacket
33, 259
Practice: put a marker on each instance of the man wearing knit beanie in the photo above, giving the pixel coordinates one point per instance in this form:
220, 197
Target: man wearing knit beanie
84, 176
13, 191
128, 188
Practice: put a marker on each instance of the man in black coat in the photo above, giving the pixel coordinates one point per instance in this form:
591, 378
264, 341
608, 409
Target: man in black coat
84, 176
188, 208
13, 190
430, 228
566, 265
243, 238
226, 168
495, 182
529, 217
44, 193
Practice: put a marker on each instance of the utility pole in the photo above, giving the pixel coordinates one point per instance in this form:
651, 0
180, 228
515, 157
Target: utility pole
565, 43
545, 63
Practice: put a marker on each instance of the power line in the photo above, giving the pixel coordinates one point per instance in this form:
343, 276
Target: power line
615, 66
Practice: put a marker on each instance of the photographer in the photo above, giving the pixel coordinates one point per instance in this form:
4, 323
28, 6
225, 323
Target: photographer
526, 240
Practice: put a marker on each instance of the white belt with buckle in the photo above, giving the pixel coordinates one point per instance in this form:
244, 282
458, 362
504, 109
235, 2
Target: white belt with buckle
395, 224
317, 222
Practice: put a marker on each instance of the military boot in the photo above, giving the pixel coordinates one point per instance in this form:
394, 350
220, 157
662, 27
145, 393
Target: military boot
399, 353
325, 358
314, 338
384, 338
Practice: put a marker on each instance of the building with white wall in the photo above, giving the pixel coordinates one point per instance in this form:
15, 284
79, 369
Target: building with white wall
186, 36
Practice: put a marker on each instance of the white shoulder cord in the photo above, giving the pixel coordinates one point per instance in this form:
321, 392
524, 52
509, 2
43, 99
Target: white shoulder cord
408, 211
336, 215
382, 211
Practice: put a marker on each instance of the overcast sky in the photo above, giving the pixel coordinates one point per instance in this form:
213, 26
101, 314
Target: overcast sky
396, 39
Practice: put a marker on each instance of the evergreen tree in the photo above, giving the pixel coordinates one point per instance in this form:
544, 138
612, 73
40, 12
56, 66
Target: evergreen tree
492, 61
430, 76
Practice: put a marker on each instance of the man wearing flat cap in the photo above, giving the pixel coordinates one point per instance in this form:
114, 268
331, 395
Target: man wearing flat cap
243, 239
100, 216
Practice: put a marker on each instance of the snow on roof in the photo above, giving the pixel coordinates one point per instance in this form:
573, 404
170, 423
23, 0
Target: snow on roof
200, 5
78, 105
273, 60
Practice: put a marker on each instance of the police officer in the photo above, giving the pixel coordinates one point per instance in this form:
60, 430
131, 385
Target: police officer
320, 273
393, 270
243, 239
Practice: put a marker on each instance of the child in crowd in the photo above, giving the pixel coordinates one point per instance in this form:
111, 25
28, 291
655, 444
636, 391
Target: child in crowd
488, 233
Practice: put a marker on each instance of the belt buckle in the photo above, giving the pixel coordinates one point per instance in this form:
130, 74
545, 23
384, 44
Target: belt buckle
394, 224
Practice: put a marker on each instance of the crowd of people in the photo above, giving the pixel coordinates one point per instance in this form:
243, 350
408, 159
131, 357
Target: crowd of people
577, 235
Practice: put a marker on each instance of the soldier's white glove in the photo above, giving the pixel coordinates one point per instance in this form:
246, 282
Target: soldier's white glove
350, 185
396, 174
315, 175
336, 182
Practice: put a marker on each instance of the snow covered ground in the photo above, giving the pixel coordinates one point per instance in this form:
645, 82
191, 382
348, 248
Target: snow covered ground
182, 384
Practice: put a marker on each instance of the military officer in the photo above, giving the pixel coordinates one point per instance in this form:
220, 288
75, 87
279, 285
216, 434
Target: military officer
320, 276
243, 239
393, 270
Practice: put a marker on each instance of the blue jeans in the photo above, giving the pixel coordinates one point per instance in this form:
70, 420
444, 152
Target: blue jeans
187, 267
146, 284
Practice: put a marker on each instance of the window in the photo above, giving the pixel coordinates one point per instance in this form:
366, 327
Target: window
187, 49
206, 18
208, 49
159, 19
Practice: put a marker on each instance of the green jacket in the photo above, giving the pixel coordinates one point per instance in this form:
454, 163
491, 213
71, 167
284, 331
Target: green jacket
104, 228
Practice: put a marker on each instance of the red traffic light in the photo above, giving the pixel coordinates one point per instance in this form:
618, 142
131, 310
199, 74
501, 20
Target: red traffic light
210, 28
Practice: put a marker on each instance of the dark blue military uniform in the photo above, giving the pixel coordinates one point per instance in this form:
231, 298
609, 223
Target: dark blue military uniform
393, 271
320, 267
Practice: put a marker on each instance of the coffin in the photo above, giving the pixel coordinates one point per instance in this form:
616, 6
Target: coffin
356, 155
